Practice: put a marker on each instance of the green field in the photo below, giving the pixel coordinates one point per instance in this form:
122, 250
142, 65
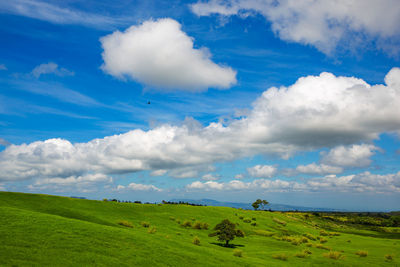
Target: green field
43, 230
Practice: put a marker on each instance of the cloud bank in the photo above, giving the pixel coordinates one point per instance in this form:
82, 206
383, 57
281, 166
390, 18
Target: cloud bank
363, 182
316, 112
322, 24
160, 55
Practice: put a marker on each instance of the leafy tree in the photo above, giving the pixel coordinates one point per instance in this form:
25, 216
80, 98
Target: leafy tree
256, 204
226, 231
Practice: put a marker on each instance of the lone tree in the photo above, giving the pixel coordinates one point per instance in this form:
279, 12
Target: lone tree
226, 231
256, 204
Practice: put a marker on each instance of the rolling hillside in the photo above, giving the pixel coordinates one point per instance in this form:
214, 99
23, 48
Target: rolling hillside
43, 230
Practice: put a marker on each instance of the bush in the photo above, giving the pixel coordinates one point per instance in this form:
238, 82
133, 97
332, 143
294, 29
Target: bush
279, 221
152, 230
172, 218
389, 257
254, 224
254, 219
238, 253
125, 223
193, 219
295, 242
320, 246
309, 245
310, 236
323, 240
197, 225
187, 223
241, 217
335, 255
281, 256
247, 220
264, 233
205, 226
145, 224
105, 199
362, 253
323, 233
196, 241
307, 251
303, 239
300, 255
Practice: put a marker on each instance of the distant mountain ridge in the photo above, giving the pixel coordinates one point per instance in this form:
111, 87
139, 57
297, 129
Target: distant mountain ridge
272, 206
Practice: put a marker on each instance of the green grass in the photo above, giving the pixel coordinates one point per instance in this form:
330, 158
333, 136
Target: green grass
42, 230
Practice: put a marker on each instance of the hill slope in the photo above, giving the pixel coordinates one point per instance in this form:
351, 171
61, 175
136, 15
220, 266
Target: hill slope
47, 230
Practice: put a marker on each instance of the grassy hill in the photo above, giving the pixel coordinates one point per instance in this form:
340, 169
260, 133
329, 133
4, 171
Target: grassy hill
43, 230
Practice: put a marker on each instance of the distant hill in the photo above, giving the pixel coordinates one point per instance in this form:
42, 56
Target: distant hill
272, 206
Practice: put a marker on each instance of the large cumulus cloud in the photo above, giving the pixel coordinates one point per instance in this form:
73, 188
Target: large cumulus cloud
315, 112
160, 55
323, 24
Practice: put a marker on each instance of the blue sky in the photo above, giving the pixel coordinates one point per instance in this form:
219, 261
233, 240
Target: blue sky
294, 102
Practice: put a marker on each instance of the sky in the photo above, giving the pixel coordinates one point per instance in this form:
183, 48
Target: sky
296, 102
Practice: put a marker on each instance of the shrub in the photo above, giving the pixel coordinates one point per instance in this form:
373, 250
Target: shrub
310, 236
178, 221
309, 245
125, 223
238, 253
303, 239
281, 256
172, 218
300, 255
323, 240
389, 257
254, 219
335, 255
247, 220
196, 241
362, 253
321, 246
105, 199
178, 233
145, 224
295, 242
197, 225
187, 223
307, 251
264, 233
193, 219
279, 221
241, 217
323, 233
205, 226
254, 224
152, 230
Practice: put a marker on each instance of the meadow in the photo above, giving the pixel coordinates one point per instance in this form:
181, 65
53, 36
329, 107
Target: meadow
44, 230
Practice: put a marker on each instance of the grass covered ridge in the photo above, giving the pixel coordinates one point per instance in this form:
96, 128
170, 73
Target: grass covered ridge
48, 230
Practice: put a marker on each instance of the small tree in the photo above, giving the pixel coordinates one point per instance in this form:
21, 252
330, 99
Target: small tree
256, 204
226, 231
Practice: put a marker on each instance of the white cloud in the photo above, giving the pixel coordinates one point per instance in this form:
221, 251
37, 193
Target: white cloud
84, 183
363, 182
262, 171
4, 142
210, 177
160, 55
350, 156
318, 169
50, 68
323, 24
239, 176
158, 172
2, 188
316, 112
55, 14
3, 67
139, 187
